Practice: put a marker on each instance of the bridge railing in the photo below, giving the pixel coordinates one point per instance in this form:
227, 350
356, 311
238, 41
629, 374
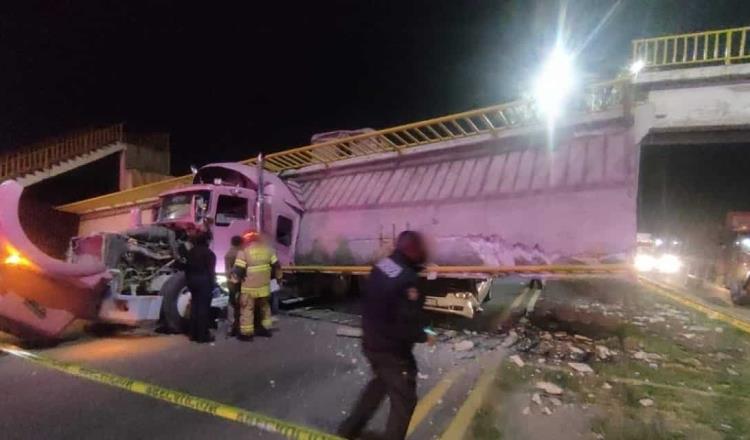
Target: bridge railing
594, 98
47, 153
711, 47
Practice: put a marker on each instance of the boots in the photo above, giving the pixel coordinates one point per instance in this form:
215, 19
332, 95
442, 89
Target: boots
262, 332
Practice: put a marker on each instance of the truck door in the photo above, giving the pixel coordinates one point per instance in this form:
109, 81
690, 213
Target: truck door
233, 213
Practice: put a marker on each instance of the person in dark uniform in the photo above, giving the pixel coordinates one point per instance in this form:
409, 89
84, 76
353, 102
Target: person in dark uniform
392, 322
200, 271
232, 285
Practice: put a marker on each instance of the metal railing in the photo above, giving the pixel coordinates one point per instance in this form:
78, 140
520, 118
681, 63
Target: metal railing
593, 99
711, 47
493, 119
47, 153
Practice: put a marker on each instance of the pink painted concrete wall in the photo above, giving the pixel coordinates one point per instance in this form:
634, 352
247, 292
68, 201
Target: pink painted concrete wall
502, 201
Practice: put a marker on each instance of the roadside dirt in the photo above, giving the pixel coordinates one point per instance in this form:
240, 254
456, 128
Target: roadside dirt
628, 364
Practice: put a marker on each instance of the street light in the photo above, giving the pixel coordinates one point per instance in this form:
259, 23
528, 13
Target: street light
637, 66
554, 83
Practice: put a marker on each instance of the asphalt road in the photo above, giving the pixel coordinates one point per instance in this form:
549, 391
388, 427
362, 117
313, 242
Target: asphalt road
304, 374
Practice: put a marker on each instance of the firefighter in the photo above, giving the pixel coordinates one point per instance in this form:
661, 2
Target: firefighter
232, 284
200, 272
392, 323
255, 264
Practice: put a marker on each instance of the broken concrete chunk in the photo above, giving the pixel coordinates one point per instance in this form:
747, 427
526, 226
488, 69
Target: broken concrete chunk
516, 359
582, 338
549, 388
349, 332
607, 386
526, 411
536, 398
732, 372
602, 352
555, 401
463, 345
581, 367
546, 411
646, 402
511, 339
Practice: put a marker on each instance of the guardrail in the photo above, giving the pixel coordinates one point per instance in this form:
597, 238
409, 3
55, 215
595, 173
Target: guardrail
594, 98
711, 47
42, 155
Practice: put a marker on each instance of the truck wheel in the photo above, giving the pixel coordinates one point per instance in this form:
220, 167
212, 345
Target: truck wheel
175, 305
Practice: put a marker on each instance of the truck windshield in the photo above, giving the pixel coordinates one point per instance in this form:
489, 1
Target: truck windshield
178, 206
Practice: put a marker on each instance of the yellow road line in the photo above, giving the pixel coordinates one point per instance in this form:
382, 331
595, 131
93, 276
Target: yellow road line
681, 298
432, 398
532, 301
519, 299
459, 426
262, 422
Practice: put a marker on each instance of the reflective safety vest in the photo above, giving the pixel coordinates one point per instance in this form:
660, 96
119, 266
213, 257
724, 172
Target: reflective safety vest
256, 259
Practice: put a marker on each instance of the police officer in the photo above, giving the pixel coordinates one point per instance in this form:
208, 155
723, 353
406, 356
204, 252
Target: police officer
200, 272
392, 323
232, 283
254, 265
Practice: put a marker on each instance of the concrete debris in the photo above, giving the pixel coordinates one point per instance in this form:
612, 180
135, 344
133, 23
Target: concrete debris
653, 365
422, 376
726, 427
688, 335
467, 332
516, 359
463, 346
732, 372
646, 402
511, 339
698, 328
581, 367
526, 411
549, 388
602, 352
607, 386
536, 398
546, 411
555, 401
722, 356
583, 338
649, 357
349, 332
450, 333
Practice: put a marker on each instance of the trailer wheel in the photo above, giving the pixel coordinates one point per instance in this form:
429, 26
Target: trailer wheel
175, 305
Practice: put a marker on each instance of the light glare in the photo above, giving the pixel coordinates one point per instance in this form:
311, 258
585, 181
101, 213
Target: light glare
554, 83
637, 66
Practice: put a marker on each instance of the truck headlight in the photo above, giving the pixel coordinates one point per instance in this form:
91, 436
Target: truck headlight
668, 263
644, 263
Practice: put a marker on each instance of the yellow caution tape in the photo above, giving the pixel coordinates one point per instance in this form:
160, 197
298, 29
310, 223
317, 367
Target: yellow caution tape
265, 423
697, 305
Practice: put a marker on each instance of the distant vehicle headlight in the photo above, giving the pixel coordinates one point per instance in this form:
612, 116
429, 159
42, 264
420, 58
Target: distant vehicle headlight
668, 263
644, 263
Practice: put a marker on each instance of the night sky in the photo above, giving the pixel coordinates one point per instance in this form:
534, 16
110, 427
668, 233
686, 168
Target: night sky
230, 79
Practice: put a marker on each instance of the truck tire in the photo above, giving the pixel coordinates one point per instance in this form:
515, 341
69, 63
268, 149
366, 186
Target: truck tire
174, 310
